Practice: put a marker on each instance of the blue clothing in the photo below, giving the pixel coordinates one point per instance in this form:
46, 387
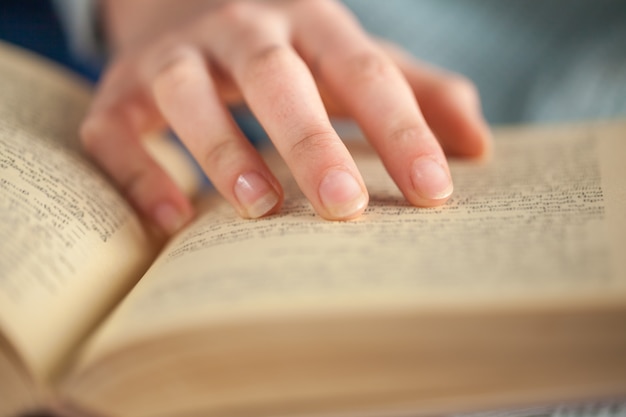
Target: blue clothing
35, 25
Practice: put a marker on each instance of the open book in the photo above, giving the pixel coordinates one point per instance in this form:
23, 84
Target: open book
512, 294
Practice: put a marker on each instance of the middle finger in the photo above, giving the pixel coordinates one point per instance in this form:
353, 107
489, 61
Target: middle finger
253, 46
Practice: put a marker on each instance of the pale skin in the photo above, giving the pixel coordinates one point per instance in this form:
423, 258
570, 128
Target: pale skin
294, 63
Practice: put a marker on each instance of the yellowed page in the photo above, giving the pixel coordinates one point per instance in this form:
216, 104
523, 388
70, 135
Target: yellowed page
17, 395
539, 224
69, 244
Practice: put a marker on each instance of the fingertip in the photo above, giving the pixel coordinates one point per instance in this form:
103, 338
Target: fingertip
485, 149
473, 138
451, 105
90, 133
431, 182
342, 195
256, 196
157, 198
170, 218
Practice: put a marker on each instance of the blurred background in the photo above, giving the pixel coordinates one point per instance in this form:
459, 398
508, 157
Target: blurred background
533, 61
37, 25
548, 60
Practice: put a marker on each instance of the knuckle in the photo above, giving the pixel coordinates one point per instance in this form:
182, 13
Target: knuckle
267, 61
268, 57
239, 15
175, 65
407, 136
367, 66
331, 9
222, 153
237, 12
311, 143
308, 5
459, 88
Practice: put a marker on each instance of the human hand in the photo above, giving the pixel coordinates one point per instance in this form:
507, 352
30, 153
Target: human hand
293, 62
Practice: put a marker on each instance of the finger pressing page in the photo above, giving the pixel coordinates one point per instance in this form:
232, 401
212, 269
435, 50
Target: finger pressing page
376, 94
187, 97
112, 132
281, 92
450, 104
108, 136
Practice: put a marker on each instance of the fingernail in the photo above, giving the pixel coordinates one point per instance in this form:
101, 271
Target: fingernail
342, 194
430, 179
256, 196
169, 218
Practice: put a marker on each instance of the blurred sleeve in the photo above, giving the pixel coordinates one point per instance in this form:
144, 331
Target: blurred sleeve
82, 26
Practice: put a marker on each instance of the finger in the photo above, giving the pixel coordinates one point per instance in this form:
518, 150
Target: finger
373, 90
450, 104
280, 90
111, 135
187, 97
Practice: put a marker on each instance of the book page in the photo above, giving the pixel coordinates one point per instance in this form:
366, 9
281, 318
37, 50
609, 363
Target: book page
69, 244
16, 392
540, 224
